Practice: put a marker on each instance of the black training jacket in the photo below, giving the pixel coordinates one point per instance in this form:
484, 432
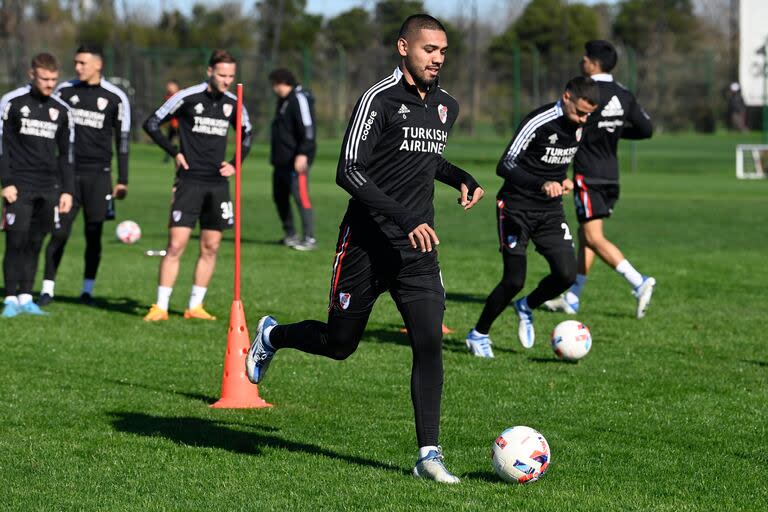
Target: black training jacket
38, 136
293, 128
618, 116
204, 118
541, 150
392, 153
102, 116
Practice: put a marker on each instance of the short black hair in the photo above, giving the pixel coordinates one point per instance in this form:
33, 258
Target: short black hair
282, 76
219, 57
417, 22
584, 88
603, 52
90, 48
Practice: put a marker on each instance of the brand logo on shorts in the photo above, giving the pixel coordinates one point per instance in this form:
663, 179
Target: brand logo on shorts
74, 99
511, 241
344, 299
10, 218
227, 108
442, 111
176, 215
102, 103
199, 108
54, 113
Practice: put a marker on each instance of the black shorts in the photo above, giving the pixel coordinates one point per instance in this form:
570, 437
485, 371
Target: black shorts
366, 265
33, 210
593, 201
547, 228
93, 194
209, 202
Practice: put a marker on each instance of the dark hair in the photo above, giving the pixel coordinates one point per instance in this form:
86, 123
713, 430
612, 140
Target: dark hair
417, 22
282, 76
584, 88
44, 61
90, 48
603, 52
221, 56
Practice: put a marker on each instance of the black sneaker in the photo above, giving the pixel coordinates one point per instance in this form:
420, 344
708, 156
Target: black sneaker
44, 299
87, 299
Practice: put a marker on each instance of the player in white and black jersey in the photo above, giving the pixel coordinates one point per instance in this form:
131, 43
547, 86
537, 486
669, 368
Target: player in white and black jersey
102, 116
36, 157
530, 208
390, 157
596, 177
201, 192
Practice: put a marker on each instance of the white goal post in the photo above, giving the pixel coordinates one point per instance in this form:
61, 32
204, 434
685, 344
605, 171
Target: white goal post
751, 161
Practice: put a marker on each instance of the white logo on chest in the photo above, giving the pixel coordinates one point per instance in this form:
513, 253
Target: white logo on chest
553, 138
25, 111
53, 113
442, 111
199, 108
74, 99
227, 108
102, 103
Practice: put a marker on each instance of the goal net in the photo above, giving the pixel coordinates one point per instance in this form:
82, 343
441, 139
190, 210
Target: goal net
751, 161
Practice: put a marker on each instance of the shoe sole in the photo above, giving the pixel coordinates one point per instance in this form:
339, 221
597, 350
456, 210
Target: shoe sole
645, 299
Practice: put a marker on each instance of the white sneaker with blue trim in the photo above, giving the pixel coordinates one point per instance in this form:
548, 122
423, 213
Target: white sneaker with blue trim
643, 294
525, 332
260, 354
479, 344
431, 467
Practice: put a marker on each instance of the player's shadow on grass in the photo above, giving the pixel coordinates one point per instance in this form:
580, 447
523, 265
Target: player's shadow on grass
465, 297
187, 394
451, 342
124, 305
202, 433
551, 360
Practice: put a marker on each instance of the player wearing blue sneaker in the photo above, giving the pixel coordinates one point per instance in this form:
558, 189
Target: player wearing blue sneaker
390, 158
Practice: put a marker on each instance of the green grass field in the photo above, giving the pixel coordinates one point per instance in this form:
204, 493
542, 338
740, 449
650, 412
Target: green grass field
100, 411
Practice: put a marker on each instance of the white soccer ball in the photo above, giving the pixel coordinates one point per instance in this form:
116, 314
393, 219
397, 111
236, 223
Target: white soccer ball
571, 340
128, 232
521, 455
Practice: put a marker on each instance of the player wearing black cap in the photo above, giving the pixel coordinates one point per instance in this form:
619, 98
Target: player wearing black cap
36, 157
596, 177
390, 157
102, 116
530, 207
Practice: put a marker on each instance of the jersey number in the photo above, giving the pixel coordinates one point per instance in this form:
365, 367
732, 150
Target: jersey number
567, 234
226, 210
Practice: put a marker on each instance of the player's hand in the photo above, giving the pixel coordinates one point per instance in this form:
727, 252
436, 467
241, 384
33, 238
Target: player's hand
301, 164
181, 162
65, 203
567, 186
423, 237
120, 191
552, 189
10, 194
227, 169
468, 201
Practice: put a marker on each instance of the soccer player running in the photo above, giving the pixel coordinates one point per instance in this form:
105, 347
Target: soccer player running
596, 177
201, 192
530, 207
36, 158
102, 116
390, 156
292, 152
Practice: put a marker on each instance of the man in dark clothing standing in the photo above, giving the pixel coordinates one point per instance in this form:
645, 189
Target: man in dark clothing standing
36, 157
292, 153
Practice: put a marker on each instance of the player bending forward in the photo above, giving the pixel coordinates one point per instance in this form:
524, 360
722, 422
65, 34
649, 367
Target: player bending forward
530, 207
390, 157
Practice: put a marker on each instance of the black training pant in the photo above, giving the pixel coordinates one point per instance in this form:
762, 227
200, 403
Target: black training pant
286, 182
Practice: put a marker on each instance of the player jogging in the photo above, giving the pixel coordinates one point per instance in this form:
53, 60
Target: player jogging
36, 157
529, 206
390, 157
102, 116
596, 177
205, 113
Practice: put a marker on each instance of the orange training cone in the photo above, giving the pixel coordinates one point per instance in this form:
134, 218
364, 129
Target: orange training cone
237, 392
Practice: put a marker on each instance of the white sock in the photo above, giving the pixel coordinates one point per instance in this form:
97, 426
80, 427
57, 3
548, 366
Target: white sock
88, 285
24, 298
424, 451
632, 276
164, 296
48, 286
475, 332
11, 299
197, 296
574, 292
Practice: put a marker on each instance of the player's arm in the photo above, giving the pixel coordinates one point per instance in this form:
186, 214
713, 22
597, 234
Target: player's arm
304, 123
638, 124
65, 140
122, 128
247, 135
352, 175
508, 167
6, 176
160, 116
461, 180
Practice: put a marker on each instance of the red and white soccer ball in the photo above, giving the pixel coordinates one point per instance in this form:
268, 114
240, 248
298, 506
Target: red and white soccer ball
571, 340
520, 455
128, 232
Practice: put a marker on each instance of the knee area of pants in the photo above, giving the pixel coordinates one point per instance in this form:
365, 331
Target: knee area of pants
513, 284
566, 275
343, 347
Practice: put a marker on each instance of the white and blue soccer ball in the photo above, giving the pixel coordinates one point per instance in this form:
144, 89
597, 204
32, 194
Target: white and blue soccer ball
520, 455
571, 340
128, 232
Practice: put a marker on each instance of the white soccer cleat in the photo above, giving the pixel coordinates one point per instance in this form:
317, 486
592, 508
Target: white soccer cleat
479, 344
259, 354
431, 467
561, 305
525, 332
643, 294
